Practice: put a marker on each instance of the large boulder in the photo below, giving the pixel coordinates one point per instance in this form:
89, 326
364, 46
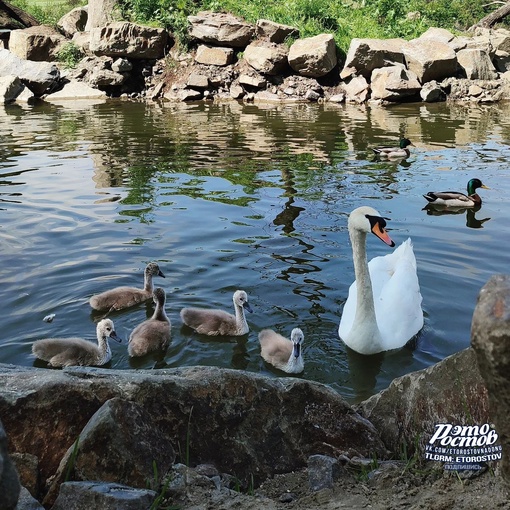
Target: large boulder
267, 58
407, 412
490, 338
39, 77
214, 55
393, 83
245, 424
9, 481
40, 43
365, 55
430, 60
123, 39
101, 12
221, 29
10, 88
274, 32
313, 56
476, 64
74, 21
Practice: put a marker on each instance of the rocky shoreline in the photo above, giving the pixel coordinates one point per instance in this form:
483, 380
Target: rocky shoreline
204, 437
230, 59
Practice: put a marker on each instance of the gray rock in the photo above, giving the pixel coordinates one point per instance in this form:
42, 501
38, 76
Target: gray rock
101, 12
432, 92
122, 65
274, 32
221, 29
39, 77
27, 467
76, 90
10, 88
438, 34
267, 58
250, 80
365, 55
27, 502
451, 391
270, 425
490, 338
123, 39
9, 481
104, 496
214, 56
313, 56
197, 81
430, 60
323, 471
236, 92
356, 90
394, 83
476, 64
40, 43
121, 443
74, 21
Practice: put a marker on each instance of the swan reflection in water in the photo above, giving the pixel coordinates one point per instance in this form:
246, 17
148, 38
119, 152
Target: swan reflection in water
471, 220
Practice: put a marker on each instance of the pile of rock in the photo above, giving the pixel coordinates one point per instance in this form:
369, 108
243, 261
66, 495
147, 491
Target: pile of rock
265, 61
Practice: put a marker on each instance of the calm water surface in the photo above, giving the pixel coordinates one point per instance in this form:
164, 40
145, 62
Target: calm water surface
235, 196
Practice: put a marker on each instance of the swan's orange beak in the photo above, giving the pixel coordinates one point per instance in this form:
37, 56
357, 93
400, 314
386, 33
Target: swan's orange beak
382, 234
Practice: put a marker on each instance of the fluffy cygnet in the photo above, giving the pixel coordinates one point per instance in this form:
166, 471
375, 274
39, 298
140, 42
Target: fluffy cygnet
124, 297
284, 354
218, 322
154, 333
65, 352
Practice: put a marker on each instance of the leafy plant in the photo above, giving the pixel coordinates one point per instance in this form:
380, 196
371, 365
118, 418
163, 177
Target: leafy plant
69, 55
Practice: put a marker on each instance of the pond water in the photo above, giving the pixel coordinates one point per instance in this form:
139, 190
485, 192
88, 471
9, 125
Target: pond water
228, 196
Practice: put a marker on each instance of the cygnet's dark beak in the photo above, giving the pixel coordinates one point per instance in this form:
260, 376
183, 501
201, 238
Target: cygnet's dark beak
160, 273
115, 337
296, 350
247, 306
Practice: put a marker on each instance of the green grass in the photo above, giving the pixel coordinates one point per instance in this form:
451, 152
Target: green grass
345, 19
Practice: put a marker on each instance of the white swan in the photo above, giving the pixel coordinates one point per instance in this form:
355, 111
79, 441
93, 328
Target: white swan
65, 352
383, 310
284, 354
154, 333
218, 322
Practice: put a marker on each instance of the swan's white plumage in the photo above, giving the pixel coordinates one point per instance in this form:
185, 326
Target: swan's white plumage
396, 295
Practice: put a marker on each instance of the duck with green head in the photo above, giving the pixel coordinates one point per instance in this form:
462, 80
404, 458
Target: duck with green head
394, 152
457, 199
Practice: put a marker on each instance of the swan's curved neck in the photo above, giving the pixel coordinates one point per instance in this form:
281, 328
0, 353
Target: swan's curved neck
147, 284
105, 353
365, 318
241, 323
159, 313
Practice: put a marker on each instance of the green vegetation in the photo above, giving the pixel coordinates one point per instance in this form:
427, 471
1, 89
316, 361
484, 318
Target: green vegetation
69, 55
48, 12
346, 19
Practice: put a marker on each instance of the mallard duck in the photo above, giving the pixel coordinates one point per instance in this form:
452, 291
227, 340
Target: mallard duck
394, 152
284, 354
154, 333
65, 352
125, 297
383, 310
218, 322
457, 199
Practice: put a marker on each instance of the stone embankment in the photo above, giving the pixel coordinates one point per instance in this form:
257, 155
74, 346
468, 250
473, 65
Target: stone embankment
85, 437
231, 59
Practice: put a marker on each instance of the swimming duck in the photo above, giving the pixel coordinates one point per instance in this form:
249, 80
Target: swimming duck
394, 152
218, 322
281, 352
383, 310
124, 297
65, 352
457, 199
154, 333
